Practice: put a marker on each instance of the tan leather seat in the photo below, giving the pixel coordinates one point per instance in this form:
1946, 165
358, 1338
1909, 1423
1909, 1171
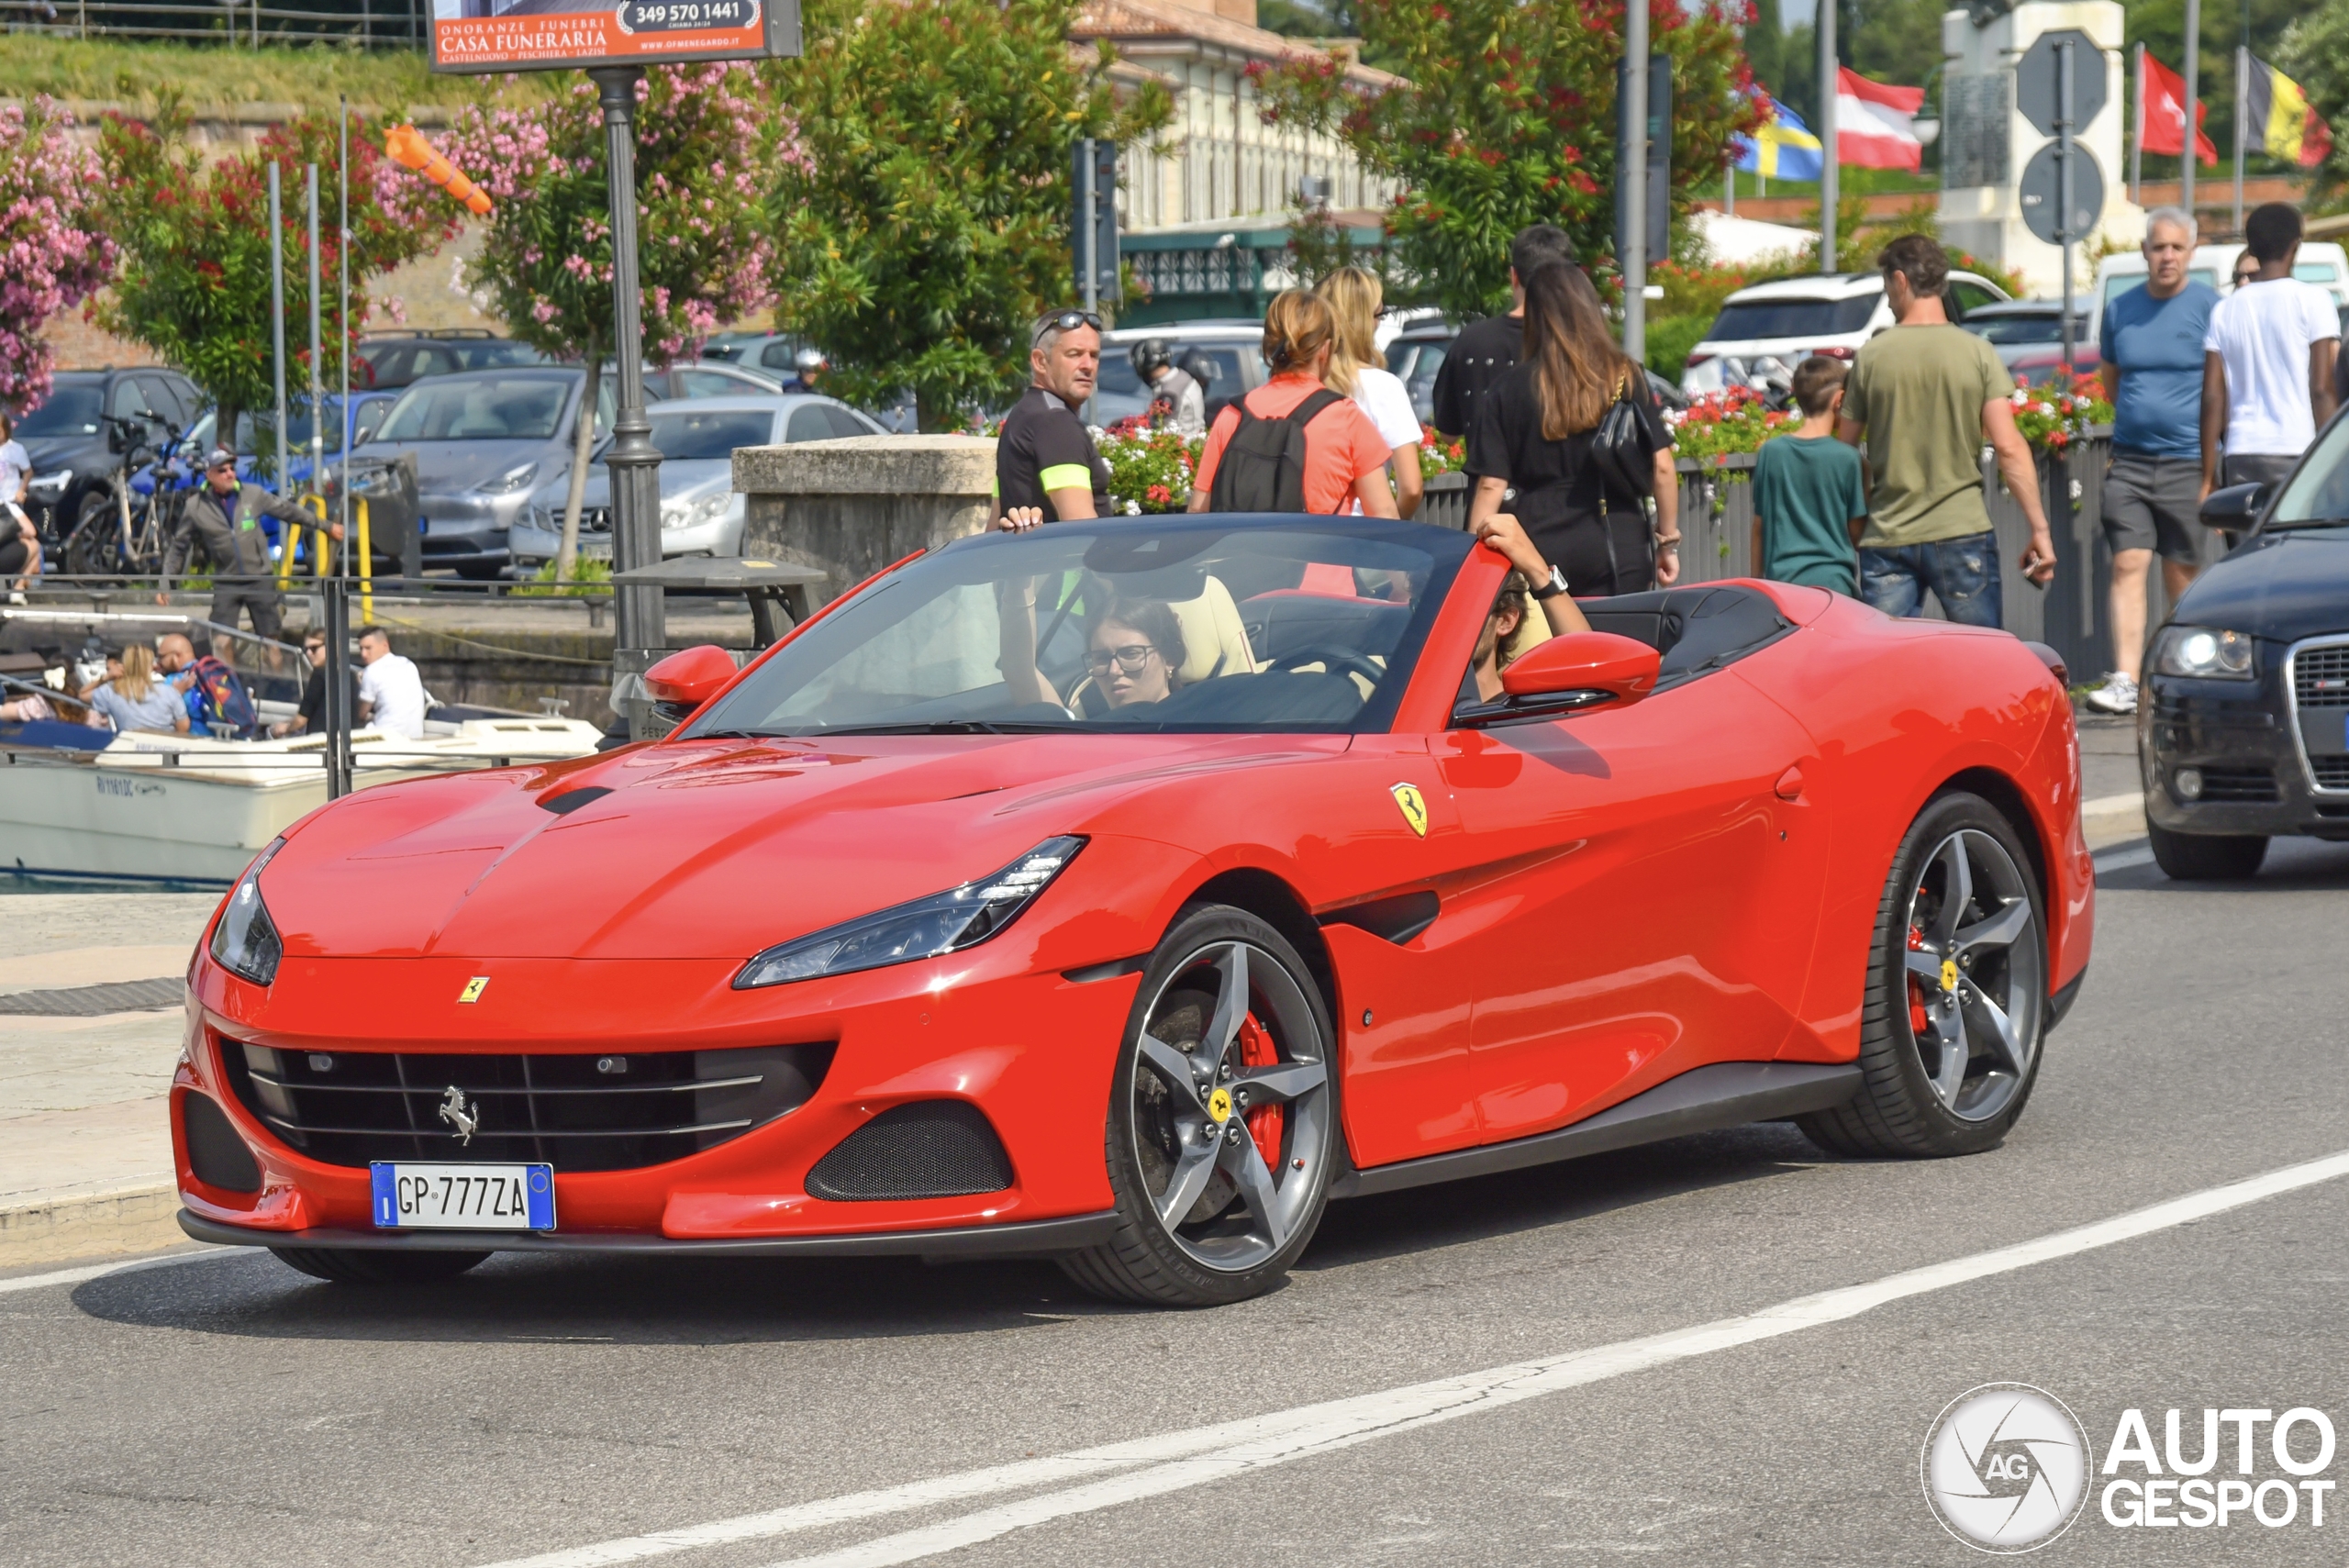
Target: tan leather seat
1214, 641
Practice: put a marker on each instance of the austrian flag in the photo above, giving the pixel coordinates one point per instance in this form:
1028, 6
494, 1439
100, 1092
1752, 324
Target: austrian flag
1875, 125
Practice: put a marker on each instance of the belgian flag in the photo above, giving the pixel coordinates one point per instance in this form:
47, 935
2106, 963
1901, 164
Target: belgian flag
2275, 110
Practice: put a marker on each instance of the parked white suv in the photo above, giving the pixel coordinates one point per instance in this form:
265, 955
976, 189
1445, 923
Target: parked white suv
1791, 318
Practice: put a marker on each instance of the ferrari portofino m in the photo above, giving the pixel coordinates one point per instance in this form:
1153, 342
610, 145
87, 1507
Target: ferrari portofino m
1125, 891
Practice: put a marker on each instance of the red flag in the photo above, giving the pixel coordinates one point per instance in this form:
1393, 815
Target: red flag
2160, 118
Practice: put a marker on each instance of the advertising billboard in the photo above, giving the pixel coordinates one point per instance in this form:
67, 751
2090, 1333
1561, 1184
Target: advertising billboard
471, 36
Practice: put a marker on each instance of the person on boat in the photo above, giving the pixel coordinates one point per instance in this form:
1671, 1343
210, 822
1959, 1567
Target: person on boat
136, 699
215, 697
391, 692
311, 717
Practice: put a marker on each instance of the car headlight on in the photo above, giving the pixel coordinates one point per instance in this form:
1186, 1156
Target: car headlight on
692, 512
510, 481
246, 942
945, 922
2203, 653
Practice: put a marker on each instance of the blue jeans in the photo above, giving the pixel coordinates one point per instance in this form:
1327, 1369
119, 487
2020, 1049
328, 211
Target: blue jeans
1962, 572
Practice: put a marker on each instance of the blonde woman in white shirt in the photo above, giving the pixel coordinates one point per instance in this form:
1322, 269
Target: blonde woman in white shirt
1359, 370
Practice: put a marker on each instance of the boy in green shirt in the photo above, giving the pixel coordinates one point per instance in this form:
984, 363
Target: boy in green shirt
1809, 500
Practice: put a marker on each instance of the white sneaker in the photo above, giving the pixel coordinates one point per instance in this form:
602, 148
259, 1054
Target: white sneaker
2118, 694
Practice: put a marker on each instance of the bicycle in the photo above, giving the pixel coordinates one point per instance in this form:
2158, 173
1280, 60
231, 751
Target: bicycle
124, 527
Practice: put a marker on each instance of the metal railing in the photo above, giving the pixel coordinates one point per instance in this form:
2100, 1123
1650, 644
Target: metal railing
391, 24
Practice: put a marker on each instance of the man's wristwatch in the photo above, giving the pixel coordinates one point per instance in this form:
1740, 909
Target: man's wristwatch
1553, 587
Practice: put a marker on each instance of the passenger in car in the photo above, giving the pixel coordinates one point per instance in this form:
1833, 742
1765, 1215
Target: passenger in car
1500, 640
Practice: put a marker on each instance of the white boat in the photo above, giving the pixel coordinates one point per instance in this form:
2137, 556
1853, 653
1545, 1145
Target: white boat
186, 809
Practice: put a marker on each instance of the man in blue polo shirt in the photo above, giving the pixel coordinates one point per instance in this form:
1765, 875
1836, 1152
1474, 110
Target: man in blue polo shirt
2151, 343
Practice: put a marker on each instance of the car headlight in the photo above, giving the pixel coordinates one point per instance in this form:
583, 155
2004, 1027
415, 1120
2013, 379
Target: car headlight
47, 487
246, 942
513, 479
945, 922
691, 512
2203, 653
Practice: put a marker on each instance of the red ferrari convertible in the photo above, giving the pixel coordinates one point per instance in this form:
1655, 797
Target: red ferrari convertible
1124, 892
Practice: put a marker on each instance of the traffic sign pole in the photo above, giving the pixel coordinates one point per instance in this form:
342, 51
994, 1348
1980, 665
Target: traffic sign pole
2064, 68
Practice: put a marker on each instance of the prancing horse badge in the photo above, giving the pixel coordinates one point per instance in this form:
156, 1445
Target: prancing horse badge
1413, 806
473, 988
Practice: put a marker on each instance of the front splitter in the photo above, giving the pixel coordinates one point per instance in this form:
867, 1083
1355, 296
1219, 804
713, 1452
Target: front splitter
1029, 1237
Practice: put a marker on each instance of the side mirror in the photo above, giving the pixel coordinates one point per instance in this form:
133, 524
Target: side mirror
2236, 508
1598, 663
685, 680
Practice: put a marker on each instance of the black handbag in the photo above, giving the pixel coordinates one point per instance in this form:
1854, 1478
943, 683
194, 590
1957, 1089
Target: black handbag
1620, 448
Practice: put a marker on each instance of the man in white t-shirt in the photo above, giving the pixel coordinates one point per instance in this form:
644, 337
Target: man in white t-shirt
2267, 362
391, 692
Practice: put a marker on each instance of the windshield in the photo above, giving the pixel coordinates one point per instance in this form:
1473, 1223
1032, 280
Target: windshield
686, 437
1742, 319
2318, 492
478, 408
2024, 329
71, 410
2118, 283
1158, 625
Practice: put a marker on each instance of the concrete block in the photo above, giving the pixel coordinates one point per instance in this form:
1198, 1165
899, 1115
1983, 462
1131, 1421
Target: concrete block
850, 507
107, 1222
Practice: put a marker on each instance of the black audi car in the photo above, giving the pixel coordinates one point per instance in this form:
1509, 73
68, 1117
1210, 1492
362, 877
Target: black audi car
2243, 732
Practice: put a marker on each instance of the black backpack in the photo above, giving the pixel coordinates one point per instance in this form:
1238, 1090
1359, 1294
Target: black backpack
1262, 468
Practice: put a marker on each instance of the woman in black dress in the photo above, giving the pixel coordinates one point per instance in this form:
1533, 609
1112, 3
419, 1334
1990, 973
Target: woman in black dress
1534, 434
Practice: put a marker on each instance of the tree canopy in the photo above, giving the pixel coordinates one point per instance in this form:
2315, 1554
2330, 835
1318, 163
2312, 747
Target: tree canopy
57, 254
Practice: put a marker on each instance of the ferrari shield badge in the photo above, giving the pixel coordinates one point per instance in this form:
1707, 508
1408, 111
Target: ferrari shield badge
473, 988
1413, 806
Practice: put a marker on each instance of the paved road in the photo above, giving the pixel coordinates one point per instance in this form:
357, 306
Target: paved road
226, 1411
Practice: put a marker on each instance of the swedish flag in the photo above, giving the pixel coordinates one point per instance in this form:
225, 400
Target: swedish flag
1783, 149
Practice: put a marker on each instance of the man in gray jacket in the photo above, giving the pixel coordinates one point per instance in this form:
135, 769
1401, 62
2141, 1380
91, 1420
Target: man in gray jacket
220, 529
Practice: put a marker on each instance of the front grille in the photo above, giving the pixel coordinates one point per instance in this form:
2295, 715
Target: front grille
929, 1149
608, 1112
2330, 773
215, 1152
2239, 785
2320, 676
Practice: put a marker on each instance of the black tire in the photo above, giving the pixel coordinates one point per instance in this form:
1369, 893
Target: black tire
365, 1265
1245, 1219
94, 546
2206, 857
1959, 1084
480, 572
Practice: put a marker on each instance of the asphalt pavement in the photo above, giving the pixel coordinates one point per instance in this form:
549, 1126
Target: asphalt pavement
1498, 1371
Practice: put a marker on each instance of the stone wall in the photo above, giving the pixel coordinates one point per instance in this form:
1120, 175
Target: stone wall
850, 507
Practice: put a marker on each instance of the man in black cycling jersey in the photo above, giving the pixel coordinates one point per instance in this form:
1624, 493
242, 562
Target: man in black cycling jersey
1044, 462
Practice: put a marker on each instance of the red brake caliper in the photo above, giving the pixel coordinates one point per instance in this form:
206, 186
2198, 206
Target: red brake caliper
1265, 1123
1918, 1023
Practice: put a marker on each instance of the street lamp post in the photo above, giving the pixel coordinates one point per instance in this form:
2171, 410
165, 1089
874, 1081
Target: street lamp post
633, 461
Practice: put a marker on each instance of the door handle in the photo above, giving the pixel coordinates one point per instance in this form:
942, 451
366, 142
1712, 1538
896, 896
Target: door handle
1789, 784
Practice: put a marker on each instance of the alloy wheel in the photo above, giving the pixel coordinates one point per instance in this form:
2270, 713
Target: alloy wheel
1976, 973
1231, 1106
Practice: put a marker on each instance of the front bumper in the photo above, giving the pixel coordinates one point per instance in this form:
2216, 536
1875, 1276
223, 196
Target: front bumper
2243, 738
1034, 1052
466, 530
1034, 1238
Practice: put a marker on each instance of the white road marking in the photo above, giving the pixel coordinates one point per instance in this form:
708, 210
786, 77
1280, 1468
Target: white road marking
2113, 805
99, 1271
1176, 1460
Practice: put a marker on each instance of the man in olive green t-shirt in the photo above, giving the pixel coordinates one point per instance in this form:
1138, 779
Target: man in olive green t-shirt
1926, 397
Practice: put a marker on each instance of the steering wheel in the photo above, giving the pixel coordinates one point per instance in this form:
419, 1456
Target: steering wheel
1337, 658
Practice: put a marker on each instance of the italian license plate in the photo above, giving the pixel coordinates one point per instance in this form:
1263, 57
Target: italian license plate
463, 1197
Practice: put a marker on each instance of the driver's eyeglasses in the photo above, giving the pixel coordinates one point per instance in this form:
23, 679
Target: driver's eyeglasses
1131, 658
1066, 321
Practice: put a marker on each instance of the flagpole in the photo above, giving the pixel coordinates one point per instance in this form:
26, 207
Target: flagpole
1828, 86
2186, 132
2242, 90
2137, 144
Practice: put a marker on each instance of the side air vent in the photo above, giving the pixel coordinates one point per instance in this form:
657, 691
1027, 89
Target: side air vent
929, 1149
215, 1152
1395, 919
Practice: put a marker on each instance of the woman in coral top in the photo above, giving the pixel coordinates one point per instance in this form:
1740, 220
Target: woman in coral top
1344, 458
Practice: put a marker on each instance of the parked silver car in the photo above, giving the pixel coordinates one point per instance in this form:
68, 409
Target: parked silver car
700, 512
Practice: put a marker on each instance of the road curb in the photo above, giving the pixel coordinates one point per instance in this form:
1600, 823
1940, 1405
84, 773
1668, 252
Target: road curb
45, 1228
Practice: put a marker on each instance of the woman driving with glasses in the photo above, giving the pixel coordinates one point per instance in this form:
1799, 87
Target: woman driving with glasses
1135, 652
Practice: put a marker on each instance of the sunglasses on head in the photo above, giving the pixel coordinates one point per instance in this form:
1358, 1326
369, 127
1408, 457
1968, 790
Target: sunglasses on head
1066, 321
